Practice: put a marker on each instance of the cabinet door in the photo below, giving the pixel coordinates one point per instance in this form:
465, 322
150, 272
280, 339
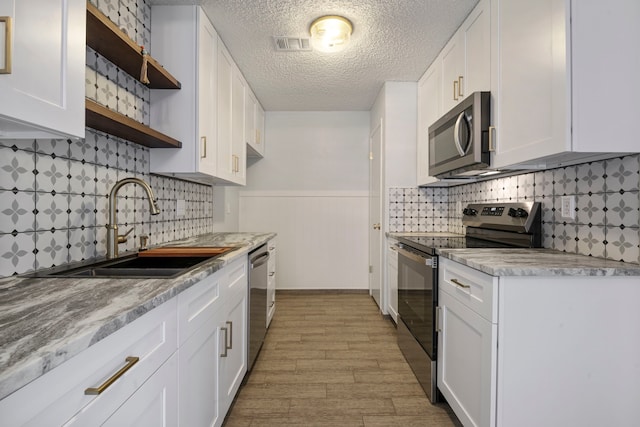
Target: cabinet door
225, 83
392, 278
452, 58
154, 404
233, 356
429, 110
476, 33
238, 145
207, 53
271, 281
250, 118
467, 349
260, 128
43, 95
531, 71
199, 377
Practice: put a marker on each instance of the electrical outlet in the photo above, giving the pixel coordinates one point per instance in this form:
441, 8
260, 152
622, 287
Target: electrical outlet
568, 209
180, 208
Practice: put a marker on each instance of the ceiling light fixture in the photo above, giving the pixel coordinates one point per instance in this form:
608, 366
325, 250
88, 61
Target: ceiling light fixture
330, 33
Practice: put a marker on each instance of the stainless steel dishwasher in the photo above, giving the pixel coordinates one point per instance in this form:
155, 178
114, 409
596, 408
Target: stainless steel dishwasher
258, 275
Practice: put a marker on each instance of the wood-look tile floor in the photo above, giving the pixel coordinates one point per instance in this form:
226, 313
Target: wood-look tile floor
331, 359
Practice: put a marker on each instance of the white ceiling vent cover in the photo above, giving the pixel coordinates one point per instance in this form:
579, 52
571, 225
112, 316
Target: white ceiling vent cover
291, 44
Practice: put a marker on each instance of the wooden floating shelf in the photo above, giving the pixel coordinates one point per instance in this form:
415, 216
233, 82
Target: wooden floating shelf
106, 38
103, 119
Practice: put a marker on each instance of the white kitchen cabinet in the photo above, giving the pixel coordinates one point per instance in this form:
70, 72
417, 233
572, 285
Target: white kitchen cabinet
154, 404
42, 87
231, 111
210, 325
466, 58
254, 125
233, 325
561, 81
271, 280
59, 397
530, 351
429, 110
462, 67
466, 344
185, 41
392, 278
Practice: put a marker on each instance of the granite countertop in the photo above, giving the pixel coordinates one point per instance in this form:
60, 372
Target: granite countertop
46, 321
537, 262
424, 234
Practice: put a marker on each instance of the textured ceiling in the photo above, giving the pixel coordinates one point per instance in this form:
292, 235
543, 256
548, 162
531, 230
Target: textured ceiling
392, 40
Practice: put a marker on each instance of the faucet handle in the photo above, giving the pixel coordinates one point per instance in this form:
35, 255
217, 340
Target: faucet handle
123, 237
144, 242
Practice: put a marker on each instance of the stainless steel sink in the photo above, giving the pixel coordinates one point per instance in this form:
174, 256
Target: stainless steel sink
133, 266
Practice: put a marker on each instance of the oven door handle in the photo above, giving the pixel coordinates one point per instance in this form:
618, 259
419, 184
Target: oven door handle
414, 257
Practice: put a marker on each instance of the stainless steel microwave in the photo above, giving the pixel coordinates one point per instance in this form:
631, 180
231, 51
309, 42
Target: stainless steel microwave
459, 141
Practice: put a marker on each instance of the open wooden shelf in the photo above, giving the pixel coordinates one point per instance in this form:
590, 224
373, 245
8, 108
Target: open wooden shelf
106, 38
103, 119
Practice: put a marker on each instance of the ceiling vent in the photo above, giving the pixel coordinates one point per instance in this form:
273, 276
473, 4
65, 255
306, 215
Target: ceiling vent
291, 44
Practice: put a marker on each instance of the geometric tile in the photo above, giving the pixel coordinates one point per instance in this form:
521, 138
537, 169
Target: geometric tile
590, 178
622, 244
17, 253
16, 211
17, 169
52, 211
622, 209
565, 181
622, 174
591, 241
52, 248
591, 209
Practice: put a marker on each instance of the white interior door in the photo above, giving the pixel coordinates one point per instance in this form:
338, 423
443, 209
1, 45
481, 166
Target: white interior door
375, 215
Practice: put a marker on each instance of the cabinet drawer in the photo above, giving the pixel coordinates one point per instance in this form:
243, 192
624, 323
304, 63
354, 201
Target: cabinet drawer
59, 395
236, 276
197, 304
475, 289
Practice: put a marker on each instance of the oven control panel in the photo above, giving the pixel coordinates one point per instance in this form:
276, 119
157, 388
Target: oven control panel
492, 210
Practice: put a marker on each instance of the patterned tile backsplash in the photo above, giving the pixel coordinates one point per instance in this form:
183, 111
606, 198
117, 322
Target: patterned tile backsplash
607, 213
54, 193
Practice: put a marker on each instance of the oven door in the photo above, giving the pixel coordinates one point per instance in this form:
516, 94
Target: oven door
418, 296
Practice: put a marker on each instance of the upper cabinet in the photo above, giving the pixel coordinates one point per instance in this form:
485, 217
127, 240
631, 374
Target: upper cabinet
562, 80
208, 114
429, 90
466, 59
184, 39
254, 125
462, 67
231, 113
42, 65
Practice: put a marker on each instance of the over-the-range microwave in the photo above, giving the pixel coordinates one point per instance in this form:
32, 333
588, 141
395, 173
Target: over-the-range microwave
459, 140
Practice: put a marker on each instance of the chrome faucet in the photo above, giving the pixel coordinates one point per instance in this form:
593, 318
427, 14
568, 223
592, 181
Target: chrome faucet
113, 239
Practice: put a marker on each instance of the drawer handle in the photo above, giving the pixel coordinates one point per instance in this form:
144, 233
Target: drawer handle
5, 21
273, 273
226, 335
230, 335
131, 360
462, 285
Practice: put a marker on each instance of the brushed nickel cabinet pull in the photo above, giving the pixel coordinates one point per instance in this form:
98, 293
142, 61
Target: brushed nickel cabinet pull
230, 335
226, 335
492, 130
6, 21
462, 285
455, 91
203, 144
131, 360
460, 94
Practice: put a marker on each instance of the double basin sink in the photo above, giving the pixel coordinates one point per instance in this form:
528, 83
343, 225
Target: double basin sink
164, 262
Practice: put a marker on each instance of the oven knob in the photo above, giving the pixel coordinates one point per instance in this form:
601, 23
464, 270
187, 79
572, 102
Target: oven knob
518, 213
469, 211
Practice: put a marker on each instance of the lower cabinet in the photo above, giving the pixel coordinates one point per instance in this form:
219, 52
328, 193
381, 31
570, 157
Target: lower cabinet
392, 278
271, 281
182, 363
213, 360
533, 351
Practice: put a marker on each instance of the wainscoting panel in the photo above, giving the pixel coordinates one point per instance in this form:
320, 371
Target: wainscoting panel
322, 236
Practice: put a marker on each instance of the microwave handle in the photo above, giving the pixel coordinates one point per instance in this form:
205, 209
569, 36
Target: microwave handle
456, 135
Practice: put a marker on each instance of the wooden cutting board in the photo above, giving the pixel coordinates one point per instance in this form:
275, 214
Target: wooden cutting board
178, 251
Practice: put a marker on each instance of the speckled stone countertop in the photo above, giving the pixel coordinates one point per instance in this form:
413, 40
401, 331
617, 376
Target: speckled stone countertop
424, 234
46, 321
538, 262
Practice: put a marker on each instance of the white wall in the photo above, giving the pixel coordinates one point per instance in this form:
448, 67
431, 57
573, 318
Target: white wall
312, 189
226, 208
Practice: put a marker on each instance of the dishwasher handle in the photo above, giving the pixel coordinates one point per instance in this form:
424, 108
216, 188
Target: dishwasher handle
259, 259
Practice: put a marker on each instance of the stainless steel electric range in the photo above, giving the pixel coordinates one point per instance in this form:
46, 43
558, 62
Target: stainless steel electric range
488, 225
